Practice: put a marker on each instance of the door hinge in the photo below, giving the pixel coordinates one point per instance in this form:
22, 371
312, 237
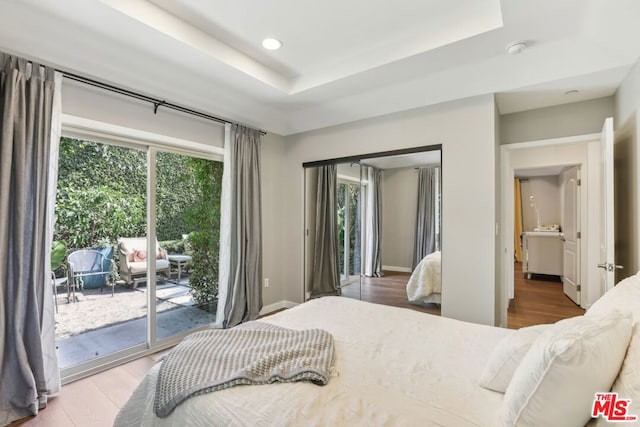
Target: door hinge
579, 235
579, 288
579, 182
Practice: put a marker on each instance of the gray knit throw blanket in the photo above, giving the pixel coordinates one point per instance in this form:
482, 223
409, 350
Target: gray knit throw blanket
253, 353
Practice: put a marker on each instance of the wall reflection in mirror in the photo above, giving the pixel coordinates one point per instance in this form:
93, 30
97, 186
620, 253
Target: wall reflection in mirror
373, 228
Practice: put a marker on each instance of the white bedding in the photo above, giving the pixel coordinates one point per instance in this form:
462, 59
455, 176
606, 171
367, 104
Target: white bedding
425, 283
394, 367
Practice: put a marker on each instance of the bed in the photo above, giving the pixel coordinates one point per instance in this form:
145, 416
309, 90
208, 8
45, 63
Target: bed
393, 366
425, 284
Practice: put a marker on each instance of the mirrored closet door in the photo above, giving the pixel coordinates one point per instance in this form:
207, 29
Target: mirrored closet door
373, 228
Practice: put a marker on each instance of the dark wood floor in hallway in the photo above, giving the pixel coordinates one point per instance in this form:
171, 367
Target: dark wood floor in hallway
538, 300
391, 289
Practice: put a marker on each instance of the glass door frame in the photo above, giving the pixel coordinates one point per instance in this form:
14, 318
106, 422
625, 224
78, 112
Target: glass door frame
106, 133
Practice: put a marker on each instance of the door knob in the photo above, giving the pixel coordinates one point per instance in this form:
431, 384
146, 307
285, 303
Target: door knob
610, 267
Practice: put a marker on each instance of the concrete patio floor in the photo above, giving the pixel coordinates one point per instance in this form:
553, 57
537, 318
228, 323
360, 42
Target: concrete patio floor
179, 314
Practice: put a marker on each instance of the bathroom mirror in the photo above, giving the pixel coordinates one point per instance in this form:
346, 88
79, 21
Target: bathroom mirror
371, 221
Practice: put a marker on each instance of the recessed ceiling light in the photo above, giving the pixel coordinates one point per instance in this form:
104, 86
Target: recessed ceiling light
571, 92
271, 44
516, 48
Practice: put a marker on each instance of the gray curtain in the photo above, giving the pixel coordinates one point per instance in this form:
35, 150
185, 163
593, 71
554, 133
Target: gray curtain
425, 242
244, 289
373, 221
326, 276
28, 364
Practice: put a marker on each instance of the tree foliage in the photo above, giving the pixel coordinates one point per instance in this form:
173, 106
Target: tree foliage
204, 217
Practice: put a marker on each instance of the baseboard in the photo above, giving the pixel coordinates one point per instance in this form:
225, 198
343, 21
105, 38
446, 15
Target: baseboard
394, 268
277, 306
290, 304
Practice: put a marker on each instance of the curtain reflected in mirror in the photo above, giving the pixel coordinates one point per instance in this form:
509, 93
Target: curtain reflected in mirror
426, 223
373, 221
325, 280
377, 238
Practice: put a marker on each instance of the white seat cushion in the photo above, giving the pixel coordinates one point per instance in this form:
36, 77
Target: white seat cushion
506, 357
141, 267
556, 382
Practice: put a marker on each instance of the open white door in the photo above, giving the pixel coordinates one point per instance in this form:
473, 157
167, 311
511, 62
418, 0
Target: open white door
571, 234
607, 262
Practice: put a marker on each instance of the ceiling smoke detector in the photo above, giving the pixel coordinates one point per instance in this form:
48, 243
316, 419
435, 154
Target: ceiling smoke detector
516, 48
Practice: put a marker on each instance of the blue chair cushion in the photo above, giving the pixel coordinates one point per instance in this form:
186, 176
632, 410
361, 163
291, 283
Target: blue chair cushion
99, 280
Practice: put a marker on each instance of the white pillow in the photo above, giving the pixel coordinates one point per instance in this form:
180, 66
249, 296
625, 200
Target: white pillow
627, 385
557, 379
506, 357
625, 296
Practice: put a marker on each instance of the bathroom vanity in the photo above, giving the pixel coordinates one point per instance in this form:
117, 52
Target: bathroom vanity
542, 253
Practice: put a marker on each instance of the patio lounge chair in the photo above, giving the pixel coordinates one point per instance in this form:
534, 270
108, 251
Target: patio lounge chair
133, 259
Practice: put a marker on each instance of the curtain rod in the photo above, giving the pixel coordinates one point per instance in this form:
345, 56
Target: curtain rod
156, 102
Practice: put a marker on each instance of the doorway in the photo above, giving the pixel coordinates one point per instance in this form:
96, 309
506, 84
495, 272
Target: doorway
547, 245
583, 153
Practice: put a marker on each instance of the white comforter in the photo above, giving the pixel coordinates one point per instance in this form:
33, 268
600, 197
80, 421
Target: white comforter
425, 280
394, 367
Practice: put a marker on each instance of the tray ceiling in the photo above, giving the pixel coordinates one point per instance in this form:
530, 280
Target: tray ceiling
341, 60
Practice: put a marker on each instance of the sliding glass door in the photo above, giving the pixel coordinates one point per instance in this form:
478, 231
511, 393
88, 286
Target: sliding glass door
119, 292
349, 231
187, 230
101, 197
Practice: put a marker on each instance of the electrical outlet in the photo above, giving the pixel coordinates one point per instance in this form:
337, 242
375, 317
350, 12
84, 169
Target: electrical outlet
266, 282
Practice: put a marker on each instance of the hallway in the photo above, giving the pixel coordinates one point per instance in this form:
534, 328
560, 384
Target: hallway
538, 300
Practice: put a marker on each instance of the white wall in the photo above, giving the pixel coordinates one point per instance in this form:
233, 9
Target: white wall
273, 147
465, 128
96, 104
578, 118
626, 175
627, 97
500, 311
399, 211
546, 191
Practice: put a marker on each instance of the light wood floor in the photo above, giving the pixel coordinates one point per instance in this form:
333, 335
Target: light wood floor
539, 300
389, 290
93, 401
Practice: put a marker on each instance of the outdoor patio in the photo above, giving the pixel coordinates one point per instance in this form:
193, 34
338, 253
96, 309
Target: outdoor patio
98, 324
